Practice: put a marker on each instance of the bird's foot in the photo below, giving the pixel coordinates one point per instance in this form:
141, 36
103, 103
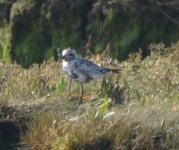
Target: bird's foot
68, 94
86, 97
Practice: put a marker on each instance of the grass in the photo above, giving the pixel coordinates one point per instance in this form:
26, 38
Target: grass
136, 109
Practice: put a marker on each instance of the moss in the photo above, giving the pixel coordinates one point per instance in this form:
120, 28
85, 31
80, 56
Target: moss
39, 34
126, 25
31, 47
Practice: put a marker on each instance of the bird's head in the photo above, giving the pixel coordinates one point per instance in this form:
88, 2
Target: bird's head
67, 54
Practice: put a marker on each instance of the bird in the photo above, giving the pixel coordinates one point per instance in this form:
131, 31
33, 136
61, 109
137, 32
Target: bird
80, 69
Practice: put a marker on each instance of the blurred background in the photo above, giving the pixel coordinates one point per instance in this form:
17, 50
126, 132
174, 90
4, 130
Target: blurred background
32, 30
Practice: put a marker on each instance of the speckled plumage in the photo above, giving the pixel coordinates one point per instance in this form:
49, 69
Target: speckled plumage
80, 69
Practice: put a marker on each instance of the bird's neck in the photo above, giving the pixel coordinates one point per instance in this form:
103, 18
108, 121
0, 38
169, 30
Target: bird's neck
67, 62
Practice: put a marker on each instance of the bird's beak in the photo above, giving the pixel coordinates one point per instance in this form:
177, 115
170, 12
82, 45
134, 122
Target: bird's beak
59, 54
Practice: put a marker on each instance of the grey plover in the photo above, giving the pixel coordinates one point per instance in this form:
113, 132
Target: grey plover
80, 69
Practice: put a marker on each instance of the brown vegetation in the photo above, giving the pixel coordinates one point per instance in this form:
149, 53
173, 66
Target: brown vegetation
137, 109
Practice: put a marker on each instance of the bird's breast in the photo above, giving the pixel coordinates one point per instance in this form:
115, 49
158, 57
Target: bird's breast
65, 66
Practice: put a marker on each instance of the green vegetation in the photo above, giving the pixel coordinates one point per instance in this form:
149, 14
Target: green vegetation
39, 27
5, 45
136, 109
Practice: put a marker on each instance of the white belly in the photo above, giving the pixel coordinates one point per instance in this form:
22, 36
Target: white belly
65, 66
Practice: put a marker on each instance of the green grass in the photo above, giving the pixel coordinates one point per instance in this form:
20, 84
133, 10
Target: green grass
136, 109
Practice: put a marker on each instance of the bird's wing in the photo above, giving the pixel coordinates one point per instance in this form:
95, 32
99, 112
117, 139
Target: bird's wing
87, 67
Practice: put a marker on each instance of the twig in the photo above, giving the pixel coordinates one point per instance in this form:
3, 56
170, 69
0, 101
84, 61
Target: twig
168, 16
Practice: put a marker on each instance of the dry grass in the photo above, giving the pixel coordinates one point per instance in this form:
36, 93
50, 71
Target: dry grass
137, 109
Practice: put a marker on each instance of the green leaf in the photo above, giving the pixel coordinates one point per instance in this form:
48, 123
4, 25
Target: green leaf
61, 86
103, 108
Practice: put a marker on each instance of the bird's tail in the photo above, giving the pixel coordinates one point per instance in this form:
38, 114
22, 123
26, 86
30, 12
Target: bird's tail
113, 70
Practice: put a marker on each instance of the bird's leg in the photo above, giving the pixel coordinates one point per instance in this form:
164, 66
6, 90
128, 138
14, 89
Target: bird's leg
81, 94
68, 94
69, 87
